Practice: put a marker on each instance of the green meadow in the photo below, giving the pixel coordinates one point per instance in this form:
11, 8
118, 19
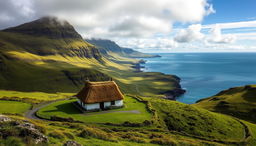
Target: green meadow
41, 96
133, 111
13, 107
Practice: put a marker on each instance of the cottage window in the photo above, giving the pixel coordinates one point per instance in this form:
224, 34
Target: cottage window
112, 102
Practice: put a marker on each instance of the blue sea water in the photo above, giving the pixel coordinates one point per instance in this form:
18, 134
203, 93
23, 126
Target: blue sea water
206, 74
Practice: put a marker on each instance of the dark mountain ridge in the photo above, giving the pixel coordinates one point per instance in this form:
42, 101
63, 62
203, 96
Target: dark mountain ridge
49, 36
47, 26
107, 47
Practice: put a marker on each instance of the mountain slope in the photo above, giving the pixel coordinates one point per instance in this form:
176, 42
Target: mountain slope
109, 47
35, 57
50, 26
239, 102
48, 55
48, 36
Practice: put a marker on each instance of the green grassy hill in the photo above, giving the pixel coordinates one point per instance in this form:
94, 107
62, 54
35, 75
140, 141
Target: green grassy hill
187, 119
50, 56
239, 102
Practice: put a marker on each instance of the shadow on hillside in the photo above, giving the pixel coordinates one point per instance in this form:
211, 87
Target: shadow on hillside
250, 95
67, 108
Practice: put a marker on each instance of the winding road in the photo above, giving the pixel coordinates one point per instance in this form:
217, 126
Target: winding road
31, 114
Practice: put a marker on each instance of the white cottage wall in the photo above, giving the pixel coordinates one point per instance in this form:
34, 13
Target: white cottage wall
107, 104
92, 106
119, 103
95, 106
79, 102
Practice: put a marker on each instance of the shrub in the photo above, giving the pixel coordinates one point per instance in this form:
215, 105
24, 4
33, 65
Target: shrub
155, 135
164, 141
55, 118
68, 135
56, 135
11, 141
137, 139
147, 123
96, 133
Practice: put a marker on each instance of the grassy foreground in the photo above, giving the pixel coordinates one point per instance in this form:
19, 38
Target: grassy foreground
66, 109
173, 123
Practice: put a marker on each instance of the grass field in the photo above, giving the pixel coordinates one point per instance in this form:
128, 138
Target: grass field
33, 97
67, 109
13, 107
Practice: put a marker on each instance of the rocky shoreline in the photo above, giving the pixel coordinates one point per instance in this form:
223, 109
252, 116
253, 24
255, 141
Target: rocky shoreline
171, 94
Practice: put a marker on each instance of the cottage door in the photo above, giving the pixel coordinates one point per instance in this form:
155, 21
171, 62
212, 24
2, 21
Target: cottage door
102, 105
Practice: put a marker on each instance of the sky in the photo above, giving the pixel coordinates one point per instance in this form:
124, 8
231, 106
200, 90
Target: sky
149, 25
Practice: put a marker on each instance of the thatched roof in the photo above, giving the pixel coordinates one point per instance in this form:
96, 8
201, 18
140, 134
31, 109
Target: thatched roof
94, 92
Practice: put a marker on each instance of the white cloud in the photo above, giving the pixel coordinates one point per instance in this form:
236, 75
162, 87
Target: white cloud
192, 33
108, 18
13, 12
24, 7
217, 37
241, 24
148, 43
246, 36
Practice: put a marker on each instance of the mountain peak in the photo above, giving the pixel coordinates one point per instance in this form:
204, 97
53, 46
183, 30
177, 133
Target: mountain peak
53, 21
49, 26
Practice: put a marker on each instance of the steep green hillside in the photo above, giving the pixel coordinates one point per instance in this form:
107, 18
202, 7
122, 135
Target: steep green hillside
195, 121
109, 47
239, 102
49, 55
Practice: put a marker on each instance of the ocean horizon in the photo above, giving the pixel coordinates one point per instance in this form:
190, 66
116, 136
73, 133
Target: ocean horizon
205, 74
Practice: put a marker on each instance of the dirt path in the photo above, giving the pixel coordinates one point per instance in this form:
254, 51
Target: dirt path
31, 114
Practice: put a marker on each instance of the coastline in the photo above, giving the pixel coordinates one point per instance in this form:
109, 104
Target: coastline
169, 94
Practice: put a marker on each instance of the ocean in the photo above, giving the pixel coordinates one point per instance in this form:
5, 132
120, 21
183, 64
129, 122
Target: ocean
205, 74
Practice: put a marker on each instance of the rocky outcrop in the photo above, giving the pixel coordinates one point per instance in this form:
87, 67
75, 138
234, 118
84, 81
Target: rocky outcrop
173, 94
4, 119
84, 52
71, 143
22, 129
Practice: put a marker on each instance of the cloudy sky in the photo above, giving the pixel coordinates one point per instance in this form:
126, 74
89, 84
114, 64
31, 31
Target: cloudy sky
149, 25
